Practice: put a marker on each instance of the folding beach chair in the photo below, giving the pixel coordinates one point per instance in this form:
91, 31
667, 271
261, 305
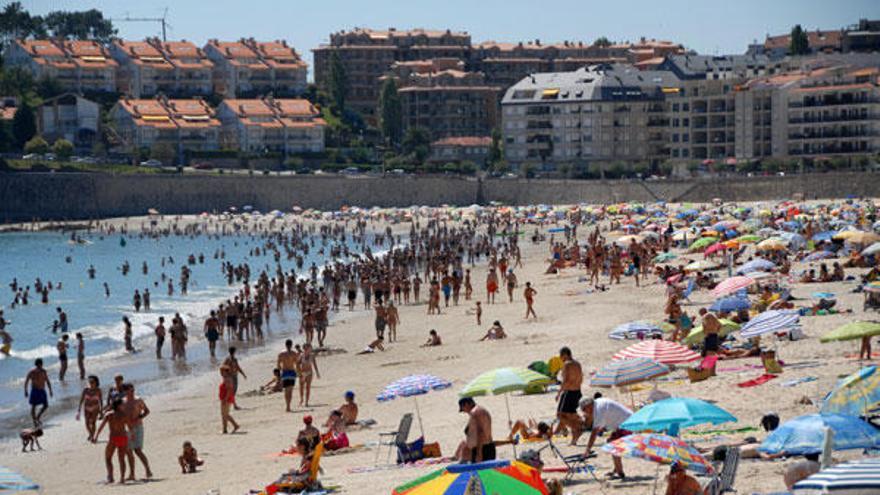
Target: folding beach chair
288, 485
705, 370
574, 464
394, 439
723, 481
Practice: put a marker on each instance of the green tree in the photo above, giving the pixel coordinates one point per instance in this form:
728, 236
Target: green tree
36, 145
338, 83
24, 125
417, 142
390, 112
799, 43
163, 152
602, 42
48, 87
63, 149
16, 22
496, 149
83, 25
15, 81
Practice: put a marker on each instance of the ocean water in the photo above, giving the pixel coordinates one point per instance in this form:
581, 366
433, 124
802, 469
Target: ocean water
52, 257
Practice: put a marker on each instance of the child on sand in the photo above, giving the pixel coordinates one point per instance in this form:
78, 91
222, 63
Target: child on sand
29, 437
189, 459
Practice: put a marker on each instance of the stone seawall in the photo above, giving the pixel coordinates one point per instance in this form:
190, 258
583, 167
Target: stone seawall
26, 196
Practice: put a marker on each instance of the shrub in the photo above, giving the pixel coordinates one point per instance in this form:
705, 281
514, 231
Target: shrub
36, 145
63, 149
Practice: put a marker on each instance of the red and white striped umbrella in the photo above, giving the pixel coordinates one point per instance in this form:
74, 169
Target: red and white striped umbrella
731, 285
661, 351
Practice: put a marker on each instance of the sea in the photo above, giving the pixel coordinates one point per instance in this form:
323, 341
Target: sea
54, 257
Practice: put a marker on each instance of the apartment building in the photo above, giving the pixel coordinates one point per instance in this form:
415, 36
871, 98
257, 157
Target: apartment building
861, 37
79, 66
461, 149
820, 113
368, 54
184, 124
250, 68
71, 117
273, 124
702, 114
144, 71
601, 113
440, 96
192, 70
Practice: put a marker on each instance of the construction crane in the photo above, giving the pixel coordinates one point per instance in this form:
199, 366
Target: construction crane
161, 20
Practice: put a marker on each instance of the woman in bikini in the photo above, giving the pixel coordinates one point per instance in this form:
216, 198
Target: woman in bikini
307, 366
227, 398
90, 403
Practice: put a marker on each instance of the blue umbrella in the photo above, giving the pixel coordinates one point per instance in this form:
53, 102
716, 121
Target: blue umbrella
854, 394
806, 434
677, 412
412, 385
823, 236
756, 265
634, 329
770, 322
861, 476
728, 304
819, 255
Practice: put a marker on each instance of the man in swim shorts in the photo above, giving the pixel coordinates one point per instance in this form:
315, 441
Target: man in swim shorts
38, 379
287, 363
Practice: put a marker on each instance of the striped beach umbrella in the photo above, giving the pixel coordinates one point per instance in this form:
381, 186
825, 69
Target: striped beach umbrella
635, 329
819, 255
770, 322
411, 385
659, 448
731, 285
662, 351
859, 477
628, 372
855, 394
757, 265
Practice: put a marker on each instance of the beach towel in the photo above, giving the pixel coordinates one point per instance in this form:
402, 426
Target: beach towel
797, 381
722, 431
756, 381
10, 480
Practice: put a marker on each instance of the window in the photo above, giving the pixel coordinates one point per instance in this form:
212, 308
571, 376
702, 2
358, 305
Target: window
675, 153
684, 153
685, 137
685, 122
675, 107
675, 123
675, 138
685, 107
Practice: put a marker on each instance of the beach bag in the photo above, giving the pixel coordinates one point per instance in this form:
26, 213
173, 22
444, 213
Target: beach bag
431, 450
410, 452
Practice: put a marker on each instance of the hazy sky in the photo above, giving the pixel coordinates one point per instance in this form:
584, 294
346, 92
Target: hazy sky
707, 26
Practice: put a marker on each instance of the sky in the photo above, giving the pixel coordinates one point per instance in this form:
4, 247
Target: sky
707, 26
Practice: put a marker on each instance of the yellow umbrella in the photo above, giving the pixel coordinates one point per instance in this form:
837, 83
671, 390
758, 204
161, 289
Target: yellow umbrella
857, 236
771, 245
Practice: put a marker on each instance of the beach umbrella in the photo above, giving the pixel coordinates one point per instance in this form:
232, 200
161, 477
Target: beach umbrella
756, 265
700, 265
664, 257
855, 394
872, 287
413, 386
859, 477
770, 322
701, 243
748, 239
805, 434
675, 413
819, 255
628, 372
732, 303
714, 248
635, 329
483, 478
872, 249
661, 351
731, 285
662, 449
696, 334
772, 244
857, 236
851, 331
823, 236
152, 211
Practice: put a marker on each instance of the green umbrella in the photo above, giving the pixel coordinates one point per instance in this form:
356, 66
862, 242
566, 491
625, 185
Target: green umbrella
696, 335
664, 257
702, 242
852, 331
501, 381
748, 238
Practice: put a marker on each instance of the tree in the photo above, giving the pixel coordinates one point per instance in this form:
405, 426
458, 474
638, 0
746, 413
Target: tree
163, 152
418, 143
84, 25
36, 145
602, 42
496, 149
63, 149
15, 81
800, 43
390, 112
338, 83
16, 22
48, 87
24, 125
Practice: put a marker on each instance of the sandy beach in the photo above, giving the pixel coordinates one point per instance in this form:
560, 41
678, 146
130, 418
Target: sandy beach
568, 314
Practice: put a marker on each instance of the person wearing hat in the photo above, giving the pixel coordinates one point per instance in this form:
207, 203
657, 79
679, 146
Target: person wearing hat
349, 410
478, 431
680, 483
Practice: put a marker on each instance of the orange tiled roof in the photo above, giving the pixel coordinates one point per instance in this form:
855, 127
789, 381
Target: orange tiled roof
185, 55
41, 48
239, 54
286, 112
295, 107
817, 40
278, 55
143, 53
834, 87
170, 113
470, 141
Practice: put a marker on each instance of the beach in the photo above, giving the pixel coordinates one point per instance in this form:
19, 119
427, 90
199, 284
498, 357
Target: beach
569, 314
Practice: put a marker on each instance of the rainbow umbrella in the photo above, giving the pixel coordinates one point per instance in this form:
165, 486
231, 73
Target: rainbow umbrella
484, 478
662, 449
855, 394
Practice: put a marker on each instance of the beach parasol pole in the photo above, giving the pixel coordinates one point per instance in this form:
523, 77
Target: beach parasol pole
419, 416
509, 421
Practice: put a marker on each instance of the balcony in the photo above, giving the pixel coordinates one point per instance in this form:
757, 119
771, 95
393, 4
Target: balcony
831, 118
833, 102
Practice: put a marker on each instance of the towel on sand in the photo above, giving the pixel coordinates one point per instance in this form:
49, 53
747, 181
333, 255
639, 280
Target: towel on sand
756, 381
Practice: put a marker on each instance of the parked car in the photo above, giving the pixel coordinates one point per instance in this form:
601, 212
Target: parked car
351, 171
397, 171
202, 166
510, 176
152, 163
32, 156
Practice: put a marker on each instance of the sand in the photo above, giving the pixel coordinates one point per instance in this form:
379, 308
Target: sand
567, 315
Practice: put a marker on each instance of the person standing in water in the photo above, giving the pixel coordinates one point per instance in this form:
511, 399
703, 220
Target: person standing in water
129, 347
160, 337
81, 355
38, 379
62, 356
212, 333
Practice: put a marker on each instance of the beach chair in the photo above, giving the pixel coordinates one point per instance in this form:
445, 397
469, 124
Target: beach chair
574, 464
771, 364
394, 439
691, 286
705, 370
287, 485
723, 481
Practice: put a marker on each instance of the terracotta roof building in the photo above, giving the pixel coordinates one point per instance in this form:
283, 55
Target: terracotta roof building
251, 68
80, 66
185, 124
144, 70
273, 124
460, 149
